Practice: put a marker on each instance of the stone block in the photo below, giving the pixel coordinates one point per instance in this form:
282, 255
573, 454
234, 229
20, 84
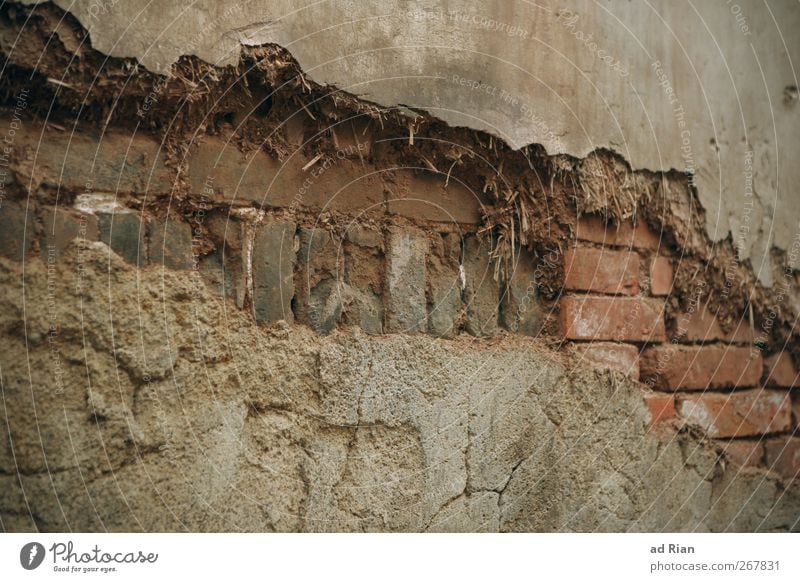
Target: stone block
273, 262
124, 232
482, 292
171, 244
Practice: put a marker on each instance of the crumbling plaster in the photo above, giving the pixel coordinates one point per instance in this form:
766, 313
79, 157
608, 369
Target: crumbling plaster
573, 76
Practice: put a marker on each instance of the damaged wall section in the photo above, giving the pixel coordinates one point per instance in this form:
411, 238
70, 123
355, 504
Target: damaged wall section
301, 311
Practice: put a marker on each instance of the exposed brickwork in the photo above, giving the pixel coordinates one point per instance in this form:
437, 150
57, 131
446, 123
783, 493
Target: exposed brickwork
386, 277
601, 271
612, 318
364, 287
224, 267
522, 311
444, 285
780, 371
424, 196
736, 414
660, 406
594, 229
661, 275
673, 367
218, 169
610, 356
318, 291
125, 233
105, 162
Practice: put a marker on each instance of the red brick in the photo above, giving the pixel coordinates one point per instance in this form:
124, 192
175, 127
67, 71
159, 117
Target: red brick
744, 453
783, 456
612, 318
660, 406
594, 229
601, 270
736, 414
661, 276
672, 367
780, 372
610, 356
701, 325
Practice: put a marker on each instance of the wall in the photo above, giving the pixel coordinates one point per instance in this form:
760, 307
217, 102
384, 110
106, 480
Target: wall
266, 370
231, 300
708, 88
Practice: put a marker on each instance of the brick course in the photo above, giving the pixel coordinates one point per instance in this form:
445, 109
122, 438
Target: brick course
594, 229
601, 271
125, 233
62, 226
747, 453
482, 292
612, 318
736, 414
701, 325
16, 230
661, 275
673, 367
171, 244
660, 406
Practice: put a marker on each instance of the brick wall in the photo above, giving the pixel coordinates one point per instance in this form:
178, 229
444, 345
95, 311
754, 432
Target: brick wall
402, 268
616, 281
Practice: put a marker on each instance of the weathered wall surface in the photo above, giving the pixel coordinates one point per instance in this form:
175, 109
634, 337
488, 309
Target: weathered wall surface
706, 87
171, 411
270, 370
232, 300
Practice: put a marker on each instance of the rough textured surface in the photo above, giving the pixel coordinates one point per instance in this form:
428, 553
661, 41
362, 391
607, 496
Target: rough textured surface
214, 423
573, 76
